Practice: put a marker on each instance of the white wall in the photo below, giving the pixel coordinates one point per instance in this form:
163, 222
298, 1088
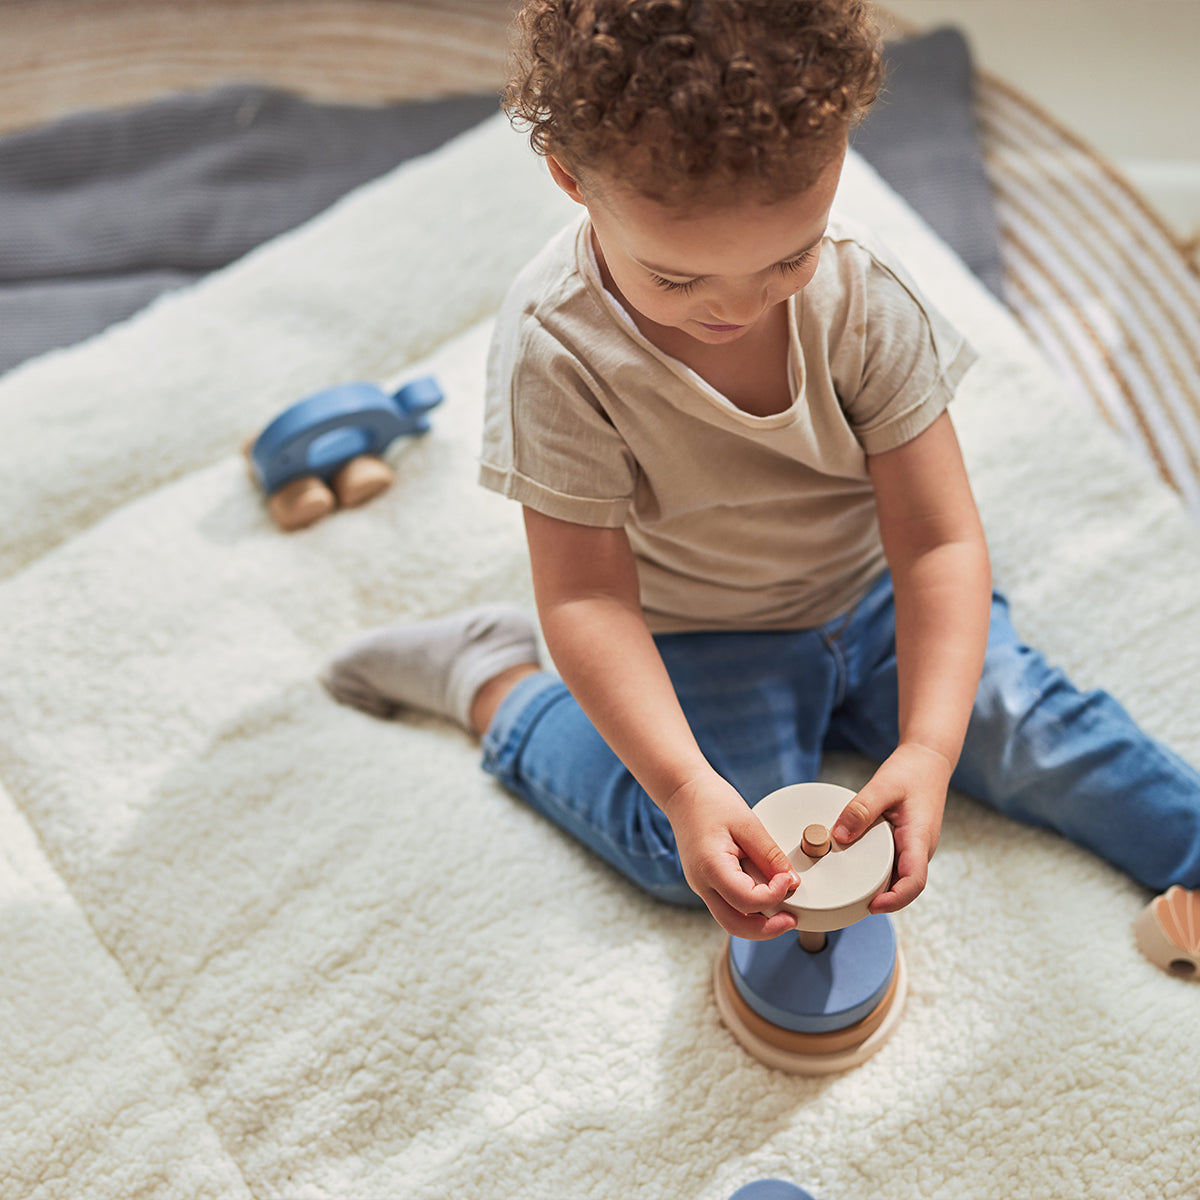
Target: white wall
1124, 75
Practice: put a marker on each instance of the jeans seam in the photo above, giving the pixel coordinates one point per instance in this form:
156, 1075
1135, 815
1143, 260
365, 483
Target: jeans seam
839, 660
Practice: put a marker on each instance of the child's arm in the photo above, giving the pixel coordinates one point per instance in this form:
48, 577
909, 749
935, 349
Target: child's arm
585, 580
937, 554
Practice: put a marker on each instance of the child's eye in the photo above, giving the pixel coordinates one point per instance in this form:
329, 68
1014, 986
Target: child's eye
669, 285
796, 264
790, 265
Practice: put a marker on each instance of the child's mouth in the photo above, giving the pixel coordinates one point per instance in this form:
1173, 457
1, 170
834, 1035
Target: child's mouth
720, 328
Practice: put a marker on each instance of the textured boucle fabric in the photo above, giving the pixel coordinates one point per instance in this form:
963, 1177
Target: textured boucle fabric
258, 944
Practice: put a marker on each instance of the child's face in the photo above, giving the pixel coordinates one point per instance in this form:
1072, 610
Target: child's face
711, 272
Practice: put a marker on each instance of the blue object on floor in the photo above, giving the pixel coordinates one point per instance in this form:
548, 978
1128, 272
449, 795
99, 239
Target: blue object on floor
817, 992
321, 433
771, 1189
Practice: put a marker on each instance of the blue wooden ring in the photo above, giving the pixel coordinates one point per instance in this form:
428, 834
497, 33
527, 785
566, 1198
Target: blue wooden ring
817, 992
771, 1189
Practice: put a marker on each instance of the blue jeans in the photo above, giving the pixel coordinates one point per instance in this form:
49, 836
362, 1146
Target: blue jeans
765, 706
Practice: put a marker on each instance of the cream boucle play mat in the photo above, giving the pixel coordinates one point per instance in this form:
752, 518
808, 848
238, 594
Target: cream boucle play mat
258, 945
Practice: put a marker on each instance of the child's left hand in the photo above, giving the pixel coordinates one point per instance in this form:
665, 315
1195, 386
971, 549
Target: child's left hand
909, 790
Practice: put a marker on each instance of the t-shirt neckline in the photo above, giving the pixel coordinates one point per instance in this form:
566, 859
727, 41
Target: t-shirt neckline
589, 266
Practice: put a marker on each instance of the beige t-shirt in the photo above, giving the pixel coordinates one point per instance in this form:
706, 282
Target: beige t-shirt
736, 521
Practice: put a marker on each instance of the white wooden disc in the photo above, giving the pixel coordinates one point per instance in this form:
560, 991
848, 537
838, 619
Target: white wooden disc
836, 889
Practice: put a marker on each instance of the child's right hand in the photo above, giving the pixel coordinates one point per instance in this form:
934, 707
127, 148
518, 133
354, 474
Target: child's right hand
729, 859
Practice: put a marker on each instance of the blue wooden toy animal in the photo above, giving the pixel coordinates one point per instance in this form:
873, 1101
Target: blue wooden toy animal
324, 450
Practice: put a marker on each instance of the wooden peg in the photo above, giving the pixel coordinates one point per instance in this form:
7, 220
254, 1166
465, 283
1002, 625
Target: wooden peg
815, 841
812, 940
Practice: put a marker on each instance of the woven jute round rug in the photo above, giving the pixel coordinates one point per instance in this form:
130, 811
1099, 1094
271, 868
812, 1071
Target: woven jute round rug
1098, 281
59, 56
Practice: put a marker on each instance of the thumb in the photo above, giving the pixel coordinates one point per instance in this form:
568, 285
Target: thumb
859, 814
760, 848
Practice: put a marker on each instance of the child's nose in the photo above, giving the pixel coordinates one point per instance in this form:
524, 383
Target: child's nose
740, 308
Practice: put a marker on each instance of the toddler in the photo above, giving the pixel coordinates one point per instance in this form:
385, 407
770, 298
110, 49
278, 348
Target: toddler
724, 410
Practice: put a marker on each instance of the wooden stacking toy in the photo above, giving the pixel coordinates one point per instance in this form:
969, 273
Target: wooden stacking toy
826, 996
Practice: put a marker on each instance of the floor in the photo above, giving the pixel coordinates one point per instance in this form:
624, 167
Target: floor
1124, 77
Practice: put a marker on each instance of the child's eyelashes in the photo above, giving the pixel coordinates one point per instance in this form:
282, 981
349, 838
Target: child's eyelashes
669, 285
796, 264
788, 266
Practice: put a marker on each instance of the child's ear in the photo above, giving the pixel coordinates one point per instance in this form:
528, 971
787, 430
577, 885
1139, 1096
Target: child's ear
565, 180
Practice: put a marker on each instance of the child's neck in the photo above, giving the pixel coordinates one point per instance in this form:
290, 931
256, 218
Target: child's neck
751, 373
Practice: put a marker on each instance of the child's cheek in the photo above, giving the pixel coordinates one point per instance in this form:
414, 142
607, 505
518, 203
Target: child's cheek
660, 307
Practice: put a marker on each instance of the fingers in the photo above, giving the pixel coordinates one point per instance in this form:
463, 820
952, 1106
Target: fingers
744, 898
915, 832
762, 859
904, 890
914, 848
859, 815
745, 890
753, 926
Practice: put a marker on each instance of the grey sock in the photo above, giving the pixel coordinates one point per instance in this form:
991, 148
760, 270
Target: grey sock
435, 665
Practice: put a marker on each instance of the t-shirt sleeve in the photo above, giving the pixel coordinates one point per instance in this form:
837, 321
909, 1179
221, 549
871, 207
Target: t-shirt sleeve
899, 361
547, 442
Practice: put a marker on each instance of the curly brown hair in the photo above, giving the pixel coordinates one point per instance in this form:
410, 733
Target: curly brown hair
687, 100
